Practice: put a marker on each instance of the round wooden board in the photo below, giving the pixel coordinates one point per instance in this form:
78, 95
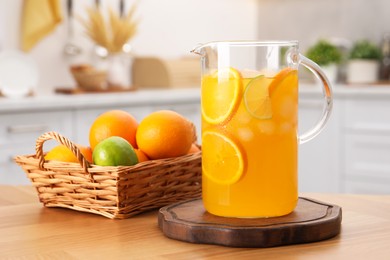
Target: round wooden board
311, 221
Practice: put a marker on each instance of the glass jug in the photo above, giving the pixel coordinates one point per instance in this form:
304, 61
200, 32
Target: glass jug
249, 104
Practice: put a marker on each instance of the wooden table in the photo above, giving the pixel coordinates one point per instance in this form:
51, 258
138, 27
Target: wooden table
30, 231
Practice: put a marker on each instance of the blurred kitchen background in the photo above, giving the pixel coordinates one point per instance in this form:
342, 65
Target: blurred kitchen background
351, 155
170, 29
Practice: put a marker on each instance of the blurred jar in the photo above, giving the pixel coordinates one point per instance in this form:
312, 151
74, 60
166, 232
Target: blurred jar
384, 71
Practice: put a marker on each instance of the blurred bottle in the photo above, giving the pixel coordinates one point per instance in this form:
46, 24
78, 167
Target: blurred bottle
384, 72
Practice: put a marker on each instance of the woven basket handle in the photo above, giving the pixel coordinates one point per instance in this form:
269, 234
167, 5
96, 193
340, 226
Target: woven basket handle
62, 140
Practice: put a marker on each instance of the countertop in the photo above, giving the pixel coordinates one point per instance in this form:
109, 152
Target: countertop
91, 100
30, 231
157, 96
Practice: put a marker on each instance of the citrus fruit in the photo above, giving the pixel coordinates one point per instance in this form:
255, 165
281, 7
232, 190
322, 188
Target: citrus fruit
164, 134
285, 96
279, 79
141, 155
221, 95
256, 98
193, 149
222, 159
87, 152
258, 93
113, 123
114, 151
63, 154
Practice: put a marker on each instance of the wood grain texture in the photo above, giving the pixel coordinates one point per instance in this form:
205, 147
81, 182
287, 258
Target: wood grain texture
30, 231
311, 221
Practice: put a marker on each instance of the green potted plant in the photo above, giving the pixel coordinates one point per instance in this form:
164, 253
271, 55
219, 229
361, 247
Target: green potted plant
326, 55
363, 64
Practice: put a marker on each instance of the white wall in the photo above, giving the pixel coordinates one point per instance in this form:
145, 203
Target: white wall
168, 28
337, 20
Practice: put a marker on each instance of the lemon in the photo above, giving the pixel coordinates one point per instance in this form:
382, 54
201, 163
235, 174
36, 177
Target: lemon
256, 98
114, 151
61, 153
222, 160
221, 95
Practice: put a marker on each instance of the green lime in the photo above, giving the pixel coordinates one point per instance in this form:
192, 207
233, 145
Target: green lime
257, 99
114, 151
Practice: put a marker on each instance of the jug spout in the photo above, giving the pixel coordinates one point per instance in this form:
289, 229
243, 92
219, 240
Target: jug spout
198, 49
205, 49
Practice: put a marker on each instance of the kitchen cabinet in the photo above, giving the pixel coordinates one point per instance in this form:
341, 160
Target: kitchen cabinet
367, 146
318, 160
352, 154
18, 132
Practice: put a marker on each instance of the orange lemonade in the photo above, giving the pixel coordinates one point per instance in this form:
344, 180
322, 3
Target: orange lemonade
249, 143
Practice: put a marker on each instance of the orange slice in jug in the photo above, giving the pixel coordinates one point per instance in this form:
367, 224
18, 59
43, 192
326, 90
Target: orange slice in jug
287, 73
222, 159
221, 95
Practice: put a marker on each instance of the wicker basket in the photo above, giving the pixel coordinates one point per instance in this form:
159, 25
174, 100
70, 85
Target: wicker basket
114, 192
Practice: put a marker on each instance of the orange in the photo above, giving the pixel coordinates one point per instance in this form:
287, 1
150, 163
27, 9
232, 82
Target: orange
113, 123
141, 155
63, 154
164, 134
193, 149
222, 159
86, 151
221, 95
279, 78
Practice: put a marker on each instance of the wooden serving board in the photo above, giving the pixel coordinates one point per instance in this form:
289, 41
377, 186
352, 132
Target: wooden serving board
311, 221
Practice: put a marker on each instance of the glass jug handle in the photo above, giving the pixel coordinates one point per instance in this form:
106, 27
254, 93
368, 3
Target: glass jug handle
328, 98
